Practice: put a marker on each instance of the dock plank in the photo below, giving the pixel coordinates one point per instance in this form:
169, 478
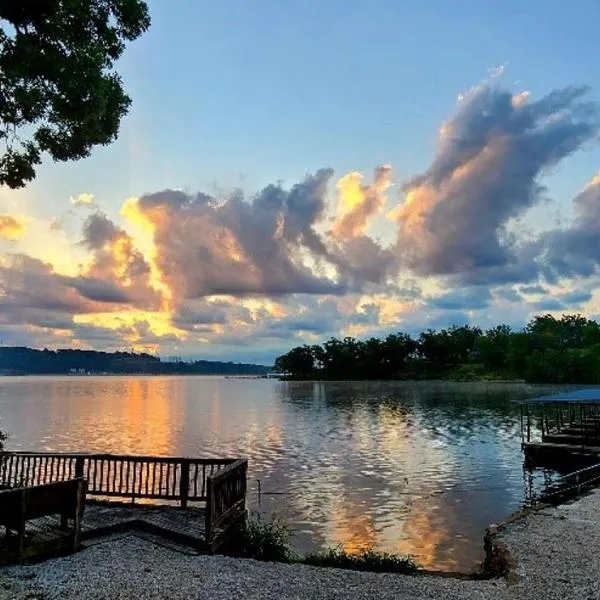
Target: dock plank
183, 525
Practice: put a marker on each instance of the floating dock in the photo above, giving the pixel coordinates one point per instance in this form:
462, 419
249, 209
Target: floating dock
562, 430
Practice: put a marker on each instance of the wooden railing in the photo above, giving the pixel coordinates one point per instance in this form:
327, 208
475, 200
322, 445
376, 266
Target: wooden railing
64, 498
110, 475
226, 499
569, 486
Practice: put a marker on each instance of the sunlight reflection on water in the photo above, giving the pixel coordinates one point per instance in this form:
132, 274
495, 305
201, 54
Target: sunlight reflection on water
419, 468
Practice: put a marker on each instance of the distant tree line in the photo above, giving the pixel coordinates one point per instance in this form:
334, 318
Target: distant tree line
547, 350
26, 361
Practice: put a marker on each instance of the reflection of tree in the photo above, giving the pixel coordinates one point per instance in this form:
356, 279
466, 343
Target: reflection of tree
408, 464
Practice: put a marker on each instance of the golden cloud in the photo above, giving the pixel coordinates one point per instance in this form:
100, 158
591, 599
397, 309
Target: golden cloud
12, 228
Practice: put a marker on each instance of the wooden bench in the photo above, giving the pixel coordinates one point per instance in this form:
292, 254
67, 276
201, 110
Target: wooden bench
19, 505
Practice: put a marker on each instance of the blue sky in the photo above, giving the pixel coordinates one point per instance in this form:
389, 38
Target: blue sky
246, 93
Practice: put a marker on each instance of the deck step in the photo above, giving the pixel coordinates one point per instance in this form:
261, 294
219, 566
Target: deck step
578, 430
569, 439
567, 448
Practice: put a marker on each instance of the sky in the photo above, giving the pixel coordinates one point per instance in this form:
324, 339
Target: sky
292, 171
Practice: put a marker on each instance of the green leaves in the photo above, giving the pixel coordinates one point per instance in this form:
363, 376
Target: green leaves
547, 350
58, 91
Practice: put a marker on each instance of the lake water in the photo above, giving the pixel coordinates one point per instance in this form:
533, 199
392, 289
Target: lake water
419, 468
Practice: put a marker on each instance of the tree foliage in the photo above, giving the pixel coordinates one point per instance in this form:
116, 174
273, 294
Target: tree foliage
58, 91
565, 350
23, 361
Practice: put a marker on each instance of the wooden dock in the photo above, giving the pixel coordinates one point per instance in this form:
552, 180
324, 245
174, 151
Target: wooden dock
562, 431
184, 526
191, 501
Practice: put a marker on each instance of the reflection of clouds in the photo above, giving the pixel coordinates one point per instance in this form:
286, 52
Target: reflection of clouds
363, 453
351, 526
400, 467
422, 537
122, 415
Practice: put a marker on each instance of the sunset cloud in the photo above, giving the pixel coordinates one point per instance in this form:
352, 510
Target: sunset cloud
12, 228
358, 203
487, 169
207, 273
85, 199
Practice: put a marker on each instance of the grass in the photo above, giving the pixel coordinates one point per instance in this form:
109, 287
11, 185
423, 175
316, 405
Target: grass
366, 560
262, 540
271, 541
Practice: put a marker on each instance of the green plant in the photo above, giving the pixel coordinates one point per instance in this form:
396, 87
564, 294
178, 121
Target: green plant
59, 93
261, 540
366, 560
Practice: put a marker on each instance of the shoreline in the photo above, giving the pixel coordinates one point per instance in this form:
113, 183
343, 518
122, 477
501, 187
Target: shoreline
550, 552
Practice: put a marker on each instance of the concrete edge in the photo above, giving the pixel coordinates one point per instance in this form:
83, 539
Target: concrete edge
499, 562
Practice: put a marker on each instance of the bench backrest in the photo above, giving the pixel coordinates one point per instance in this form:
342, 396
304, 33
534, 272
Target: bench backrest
64, 498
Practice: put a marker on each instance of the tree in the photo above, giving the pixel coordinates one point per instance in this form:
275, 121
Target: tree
298, 362
493, 348
397, 348
58, 91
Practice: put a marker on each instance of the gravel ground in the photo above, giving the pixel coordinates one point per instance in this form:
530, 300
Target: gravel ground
129, 567
555, 551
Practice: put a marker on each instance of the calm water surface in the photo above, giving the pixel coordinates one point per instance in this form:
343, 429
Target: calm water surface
419, 468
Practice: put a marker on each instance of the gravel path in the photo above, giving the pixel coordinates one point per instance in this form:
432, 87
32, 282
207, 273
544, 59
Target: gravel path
130, 567
555, 550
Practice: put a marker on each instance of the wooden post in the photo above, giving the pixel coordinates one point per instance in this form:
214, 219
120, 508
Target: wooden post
79, 467
528, 424
208, 517
22, 525
81, 489
184, 483
521, 418
134, 467
543, 417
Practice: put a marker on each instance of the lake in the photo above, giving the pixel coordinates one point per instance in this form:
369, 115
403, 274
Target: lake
419, 468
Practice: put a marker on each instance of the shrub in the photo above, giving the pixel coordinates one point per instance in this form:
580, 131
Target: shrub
367, 560
261, 540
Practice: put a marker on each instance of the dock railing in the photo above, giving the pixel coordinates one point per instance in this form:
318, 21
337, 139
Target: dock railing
226, 499
569, 486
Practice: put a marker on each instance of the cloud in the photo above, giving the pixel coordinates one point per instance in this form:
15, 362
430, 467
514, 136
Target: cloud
26, 282
535, 289
85, 199
486, 172
508, 294
240, 247
474, 298
297, 264
97, 289
31, 293
575, 298
574, 250
118, 263
12, 228
359, 203
548, 304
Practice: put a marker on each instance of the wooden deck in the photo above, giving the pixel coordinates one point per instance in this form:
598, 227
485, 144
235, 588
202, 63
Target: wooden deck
570, 436
205, 496
186, 526
560, 456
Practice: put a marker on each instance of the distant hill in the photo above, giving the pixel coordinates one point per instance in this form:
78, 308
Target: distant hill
28, 361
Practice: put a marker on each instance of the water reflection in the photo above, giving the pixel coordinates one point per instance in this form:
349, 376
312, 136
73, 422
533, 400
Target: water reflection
402, 467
